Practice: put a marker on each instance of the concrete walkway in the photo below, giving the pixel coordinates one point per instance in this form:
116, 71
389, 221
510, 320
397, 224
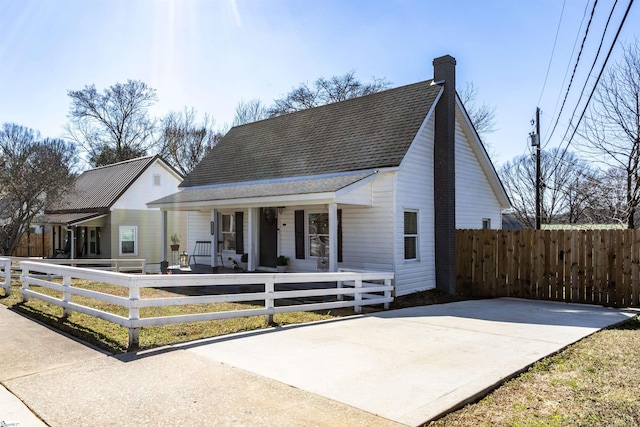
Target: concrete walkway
400, 367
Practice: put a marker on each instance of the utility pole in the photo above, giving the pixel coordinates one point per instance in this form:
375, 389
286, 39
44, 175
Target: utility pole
538, 177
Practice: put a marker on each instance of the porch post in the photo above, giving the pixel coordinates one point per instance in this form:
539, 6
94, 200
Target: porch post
163, 233
333, 237
252, 238
214, 237
72, 255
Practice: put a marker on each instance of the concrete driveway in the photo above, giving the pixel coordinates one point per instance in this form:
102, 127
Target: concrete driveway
397, 367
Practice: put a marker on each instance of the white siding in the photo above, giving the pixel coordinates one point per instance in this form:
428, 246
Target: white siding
143, 191
475, 198
366, 235
415, 192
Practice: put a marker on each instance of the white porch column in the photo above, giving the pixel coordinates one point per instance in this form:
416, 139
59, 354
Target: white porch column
333, 237
214, 237
163, 234
72, 255
252, 239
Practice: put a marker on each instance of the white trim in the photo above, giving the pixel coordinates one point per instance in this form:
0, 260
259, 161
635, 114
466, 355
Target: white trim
135, 240
416, 235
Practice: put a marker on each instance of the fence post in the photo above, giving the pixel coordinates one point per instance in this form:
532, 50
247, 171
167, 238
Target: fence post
144, 266
66, 297
269, 289
134, 314
7, 276
357, 297
387, 294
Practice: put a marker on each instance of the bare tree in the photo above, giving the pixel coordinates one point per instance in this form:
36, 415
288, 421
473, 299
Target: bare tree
114, 125
325, 91
250, 111
184, 141
608, 202
33, 172
482, 116
566, 191
611, 131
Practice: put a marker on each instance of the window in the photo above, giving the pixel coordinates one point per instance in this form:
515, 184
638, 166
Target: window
486, 223
156, 180
228, 232
410, 235
318, 234
128, 240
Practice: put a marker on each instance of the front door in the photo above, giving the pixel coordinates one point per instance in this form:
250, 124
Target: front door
268, 237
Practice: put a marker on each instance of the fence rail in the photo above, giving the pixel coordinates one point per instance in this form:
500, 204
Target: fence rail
584, 266
109, 264
351, 284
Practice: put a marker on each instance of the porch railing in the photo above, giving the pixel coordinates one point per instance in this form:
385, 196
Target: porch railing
352, 284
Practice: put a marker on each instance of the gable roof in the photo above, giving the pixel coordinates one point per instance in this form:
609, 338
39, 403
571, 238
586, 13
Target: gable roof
365, 133
96, 190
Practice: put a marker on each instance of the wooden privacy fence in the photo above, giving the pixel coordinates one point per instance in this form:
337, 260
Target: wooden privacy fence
33, 245
584, 266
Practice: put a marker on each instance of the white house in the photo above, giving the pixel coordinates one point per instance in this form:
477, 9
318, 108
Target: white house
378, 182
105, 215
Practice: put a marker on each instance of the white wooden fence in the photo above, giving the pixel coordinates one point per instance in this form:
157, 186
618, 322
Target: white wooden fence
5, 273
110, 264
353, 284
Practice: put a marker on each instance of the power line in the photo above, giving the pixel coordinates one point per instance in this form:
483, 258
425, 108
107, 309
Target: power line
553, 49
575, 129
575, 43
606, 28
575, 67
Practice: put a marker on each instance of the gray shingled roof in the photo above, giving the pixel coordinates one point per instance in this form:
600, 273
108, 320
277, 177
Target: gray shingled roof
282, 188
370, 132
97, 189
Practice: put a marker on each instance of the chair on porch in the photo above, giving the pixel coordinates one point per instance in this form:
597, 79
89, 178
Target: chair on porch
202, 249
63, 253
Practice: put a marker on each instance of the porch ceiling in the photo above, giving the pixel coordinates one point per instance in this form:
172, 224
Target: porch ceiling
299, 190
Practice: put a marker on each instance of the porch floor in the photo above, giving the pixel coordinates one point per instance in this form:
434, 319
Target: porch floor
258, 287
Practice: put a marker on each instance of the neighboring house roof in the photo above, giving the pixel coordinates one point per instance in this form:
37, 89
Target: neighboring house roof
370, 132
583, 226
96, 190
510, 222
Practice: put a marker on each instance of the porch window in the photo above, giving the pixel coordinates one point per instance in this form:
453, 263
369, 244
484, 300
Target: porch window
228, 232
411, 235
318, 234
128, 240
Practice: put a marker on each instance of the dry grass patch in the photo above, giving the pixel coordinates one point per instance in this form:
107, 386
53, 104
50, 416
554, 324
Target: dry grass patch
592, 383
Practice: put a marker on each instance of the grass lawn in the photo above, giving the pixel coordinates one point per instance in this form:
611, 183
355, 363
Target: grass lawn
591, 383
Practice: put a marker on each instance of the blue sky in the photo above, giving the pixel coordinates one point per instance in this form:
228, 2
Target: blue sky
210, 54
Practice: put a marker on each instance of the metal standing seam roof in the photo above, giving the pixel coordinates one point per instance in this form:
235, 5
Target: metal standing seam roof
267, 189
96, 190
370, 132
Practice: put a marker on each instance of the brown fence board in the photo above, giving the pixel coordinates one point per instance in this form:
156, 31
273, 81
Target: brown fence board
585, 266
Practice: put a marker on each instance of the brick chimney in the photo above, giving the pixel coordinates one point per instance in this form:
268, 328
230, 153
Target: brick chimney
444, 173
